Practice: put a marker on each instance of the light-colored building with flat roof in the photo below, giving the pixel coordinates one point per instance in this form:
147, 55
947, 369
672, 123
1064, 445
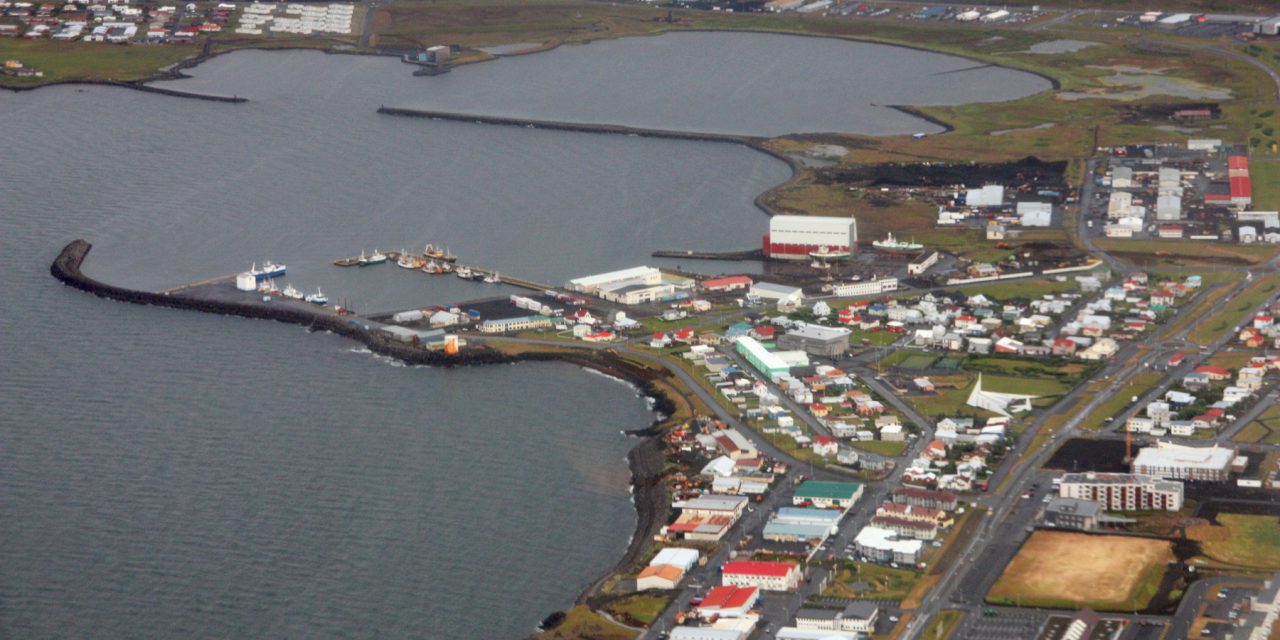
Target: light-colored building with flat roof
1179, 462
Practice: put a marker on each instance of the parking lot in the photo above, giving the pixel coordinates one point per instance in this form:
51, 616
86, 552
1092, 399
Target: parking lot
1001, 627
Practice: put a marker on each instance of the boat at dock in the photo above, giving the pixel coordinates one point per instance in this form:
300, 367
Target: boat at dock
465, 273
409, 261
290, 292
377, 257
269, 270
893, 245
492, 278
318, 297
439, 254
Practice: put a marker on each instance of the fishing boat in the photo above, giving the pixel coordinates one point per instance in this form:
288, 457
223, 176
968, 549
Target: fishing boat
492, 278
464, 273
439, 254
290, 292
377, 257
893, 245
431, 267
318, 297
408, 261
269, 270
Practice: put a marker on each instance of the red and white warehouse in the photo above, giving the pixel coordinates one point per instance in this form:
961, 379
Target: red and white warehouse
768, 576
795, 237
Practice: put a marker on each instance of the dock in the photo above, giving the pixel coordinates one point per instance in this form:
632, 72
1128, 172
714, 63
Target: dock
480, 272
354, 261
748, 254
194, 285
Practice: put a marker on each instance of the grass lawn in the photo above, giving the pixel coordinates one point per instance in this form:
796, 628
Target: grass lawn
639, 609
1234, 311
1249, 540
886, 583
1230, 359
1265, 175
581, 623
1068, 370
1205, 301
943, 624
1264, 430
1139, 384
886, 448
1186, 252
1028, 289
89, 60
917, 361
877, 338
1062, 570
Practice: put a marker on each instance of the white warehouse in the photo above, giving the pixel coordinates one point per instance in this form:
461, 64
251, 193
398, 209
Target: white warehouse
795, 237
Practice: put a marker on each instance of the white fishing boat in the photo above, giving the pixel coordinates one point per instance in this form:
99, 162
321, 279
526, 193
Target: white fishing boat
464, 273
896, 246
377, 257
290, 292
269, 270
408, 261
318, 297
493, 278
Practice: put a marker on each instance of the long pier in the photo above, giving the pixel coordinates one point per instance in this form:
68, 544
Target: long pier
748, 254
515, 282
583, 127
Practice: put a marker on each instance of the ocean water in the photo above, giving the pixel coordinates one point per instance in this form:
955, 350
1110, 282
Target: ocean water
170, 474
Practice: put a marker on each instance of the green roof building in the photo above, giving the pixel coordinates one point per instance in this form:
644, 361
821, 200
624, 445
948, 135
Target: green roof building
827, 495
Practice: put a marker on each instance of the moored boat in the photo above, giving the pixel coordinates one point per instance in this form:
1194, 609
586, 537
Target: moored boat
290, 292
269, 270
409, 261
439, 254
318, 297
893, 245
377, 257
464, 273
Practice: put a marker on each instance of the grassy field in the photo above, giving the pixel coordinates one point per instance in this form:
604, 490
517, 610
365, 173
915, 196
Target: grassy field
1235, 310
89, 60
1264, 430
1265, 175
1139, 384
1057, 569
581, 623
1183, 253
943, 624
877, 338
638, 609
1205, 301
886, 583
1246, 540
1028, 289
886, 448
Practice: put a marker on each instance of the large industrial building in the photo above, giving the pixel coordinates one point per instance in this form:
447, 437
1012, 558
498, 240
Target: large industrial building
795, 237
1178, 462
1123, 491
770, 363
636, 285
882, 545
798, 524
767, 576
816, 339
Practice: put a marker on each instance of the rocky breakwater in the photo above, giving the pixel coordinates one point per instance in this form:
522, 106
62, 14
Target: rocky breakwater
645, 459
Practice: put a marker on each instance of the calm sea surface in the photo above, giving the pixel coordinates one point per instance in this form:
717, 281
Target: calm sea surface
169, 474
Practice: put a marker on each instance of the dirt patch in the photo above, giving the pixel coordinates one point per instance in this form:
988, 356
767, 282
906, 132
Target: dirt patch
1062, 567
1084, 454
1029, 170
